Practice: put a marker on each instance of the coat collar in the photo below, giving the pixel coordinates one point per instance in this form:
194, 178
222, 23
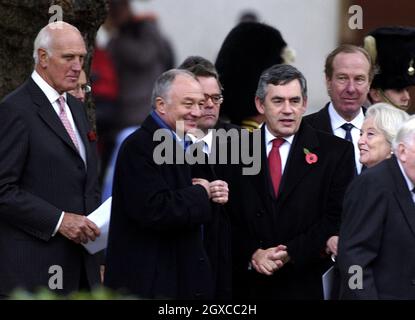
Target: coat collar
323, 117
402, 193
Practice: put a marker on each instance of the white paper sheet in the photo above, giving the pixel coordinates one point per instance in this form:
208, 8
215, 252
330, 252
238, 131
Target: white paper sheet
101, 217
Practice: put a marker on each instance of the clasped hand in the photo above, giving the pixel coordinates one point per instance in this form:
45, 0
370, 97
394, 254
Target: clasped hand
270, 260
217, 190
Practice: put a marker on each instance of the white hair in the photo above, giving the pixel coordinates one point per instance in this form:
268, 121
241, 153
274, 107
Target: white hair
387, 119
406, 134
44, 39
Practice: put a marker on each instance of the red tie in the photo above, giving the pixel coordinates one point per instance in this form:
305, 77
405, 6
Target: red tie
274, 163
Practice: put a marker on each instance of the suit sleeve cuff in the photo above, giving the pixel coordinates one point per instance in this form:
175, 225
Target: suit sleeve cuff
58, 224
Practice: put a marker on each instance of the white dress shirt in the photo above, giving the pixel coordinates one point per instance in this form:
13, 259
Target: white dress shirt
337, 121
207, 139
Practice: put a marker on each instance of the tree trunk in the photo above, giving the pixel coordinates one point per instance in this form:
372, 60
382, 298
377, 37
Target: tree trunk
21, 20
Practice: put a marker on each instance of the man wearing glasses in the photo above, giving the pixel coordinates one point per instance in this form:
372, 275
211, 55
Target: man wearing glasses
208, 77
217, 233
82, 88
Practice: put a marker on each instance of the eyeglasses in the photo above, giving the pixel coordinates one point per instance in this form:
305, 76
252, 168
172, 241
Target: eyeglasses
216, 98
85, 88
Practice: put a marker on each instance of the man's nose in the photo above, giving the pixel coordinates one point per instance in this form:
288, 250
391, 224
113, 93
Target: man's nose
196, 111
405, 95
209, 104
286, 108
77, 64
351, 87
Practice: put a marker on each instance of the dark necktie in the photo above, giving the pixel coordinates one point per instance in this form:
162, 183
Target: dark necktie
348, 128
203, 144
274, 163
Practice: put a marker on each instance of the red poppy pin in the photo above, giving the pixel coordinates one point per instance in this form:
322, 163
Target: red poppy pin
310, 157
92, 135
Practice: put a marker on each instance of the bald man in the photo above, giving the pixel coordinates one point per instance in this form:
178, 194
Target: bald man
48, 173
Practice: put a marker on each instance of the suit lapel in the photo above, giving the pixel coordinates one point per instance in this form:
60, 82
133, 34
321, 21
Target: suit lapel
402, 193
324, 120
48, 114
261, 181
296, 167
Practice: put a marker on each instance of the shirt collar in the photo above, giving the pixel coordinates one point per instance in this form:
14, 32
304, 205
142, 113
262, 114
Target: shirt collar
47, 89
164, 125
408, 181
337, 120
269, 137
207, 139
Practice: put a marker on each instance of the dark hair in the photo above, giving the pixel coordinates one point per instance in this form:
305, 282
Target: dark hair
280, 74
346, 48
200, 67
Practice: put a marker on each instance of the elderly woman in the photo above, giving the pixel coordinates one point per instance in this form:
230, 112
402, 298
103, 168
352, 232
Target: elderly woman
379, 129
376, 254
381, 124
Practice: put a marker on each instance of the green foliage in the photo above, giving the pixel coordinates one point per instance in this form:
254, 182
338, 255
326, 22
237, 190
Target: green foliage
100, 293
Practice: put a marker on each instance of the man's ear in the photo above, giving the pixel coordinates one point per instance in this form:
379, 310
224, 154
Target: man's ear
328, 85
43, 57
259, 105
305, 100
160, 105
401, 153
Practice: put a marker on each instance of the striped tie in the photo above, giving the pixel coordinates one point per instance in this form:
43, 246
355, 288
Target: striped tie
65, 121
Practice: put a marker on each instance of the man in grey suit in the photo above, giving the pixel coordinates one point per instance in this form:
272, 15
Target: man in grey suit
48, 173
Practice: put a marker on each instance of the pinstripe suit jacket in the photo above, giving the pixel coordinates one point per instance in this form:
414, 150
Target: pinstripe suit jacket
41, 175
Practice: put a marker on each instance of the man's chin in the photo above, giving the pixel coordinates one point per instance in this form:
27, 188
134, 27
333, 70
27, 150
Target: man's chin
287, 131
352, 106
207, 125
189, 128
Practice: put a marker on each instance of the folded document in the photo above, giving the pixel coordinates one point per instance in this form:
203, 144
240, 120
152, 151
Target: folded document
101, 217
